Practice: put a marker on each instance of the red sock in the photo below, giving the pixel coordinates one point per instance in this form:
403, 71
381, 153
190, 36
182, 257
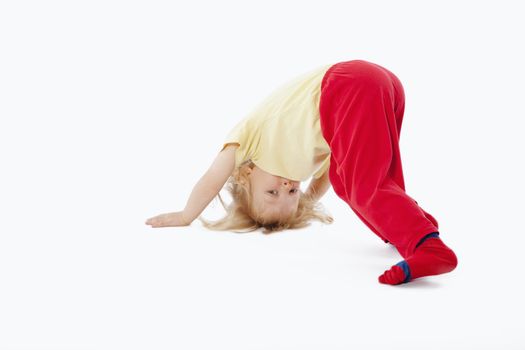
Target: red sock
432, 257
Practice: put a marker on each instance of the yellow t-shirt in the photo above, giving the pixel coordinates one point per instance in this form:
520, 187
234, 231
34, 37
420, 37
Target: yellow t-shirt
282, 135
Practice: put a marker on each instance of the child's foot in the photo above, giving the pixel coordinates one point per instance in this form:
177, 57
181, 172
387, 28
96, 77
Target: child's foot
432, 257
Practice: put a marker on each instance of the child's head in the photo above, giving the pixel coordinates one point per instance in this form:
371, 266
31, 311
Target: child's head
264, 200
271, 196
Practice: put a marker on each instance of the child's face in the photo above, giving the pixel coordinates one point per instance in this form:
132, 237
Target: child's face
273, 195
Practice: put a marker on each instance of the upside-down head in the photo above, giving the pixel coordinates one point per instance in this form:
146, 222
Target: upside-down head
260, 199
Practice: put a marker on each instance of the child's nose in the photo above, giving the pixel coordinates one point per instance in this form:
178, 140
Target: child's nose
287, 183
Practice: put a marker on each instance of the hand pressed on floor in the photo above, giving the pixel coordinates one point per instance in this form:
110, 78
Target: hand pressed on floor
168, 220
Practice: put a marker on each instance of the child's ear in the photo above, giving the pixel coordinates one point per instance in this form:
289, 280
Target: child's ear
245, 170
240, 174
245, 176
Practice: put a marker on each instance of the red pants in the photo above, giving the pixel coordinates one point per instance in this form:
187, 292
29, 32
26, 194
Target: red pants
361, 111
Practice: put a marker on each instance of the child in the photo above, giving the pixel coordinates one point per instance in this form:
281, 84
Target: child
340, 122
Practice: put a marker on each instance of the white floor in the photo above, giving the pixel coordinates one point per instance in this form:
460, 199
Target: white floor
120, 284
111, 111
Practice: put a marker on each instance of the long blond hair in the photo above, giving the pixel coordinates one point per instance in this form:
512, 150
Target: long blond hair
241, 217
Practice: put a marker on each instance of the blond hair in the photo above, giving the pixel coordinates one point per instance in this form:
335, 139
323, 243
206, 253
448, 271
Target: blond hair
241, 217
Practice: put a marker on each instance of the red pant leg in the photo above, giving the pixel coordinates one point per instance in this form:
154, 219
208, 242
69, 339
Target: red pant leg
340, 190
361, 113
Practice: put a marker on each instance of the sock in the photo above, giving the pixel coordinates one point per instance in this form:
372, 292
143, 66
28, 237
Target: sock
431, 257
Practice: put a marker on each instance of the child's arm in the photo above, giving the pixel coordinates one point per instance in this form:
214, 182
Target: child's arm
210, 183
208, 186
318, 187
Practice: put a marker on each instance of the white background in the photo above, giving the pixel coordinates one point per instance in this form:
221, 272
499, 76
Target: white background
112, 110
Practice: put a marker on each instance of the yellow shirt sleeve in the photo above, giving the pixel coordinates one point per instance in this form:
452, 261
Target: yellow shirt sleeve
323, 168
244, 134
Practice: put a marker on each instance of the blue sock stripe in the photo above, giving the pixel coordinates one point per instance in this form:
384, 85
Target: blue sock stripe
406, 270
430, 235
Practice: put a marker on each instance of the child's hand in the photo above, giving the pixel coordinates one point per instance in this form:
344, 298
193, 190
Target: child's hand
168, 220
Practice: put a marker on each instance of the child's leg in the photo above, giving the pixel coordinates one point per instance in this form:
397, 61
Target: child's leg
340, 191
362, 106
